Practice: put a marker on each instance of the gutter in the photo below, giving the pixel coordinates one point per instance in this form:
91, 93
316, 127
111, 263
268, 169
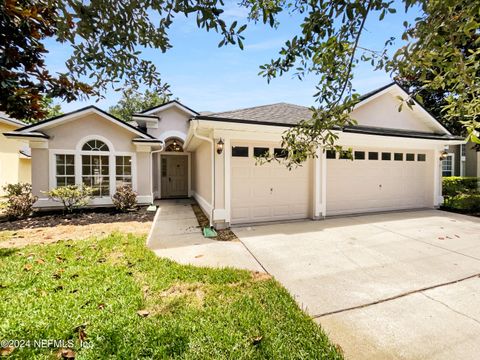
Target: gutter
204, 138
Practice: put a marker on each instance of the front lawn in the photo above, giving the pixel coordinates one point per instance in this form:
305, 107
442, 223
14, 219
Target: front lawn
126, 303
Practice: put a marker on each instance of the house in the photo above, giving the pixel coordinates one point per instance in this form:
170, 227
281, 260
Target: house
173, 151
14, 155
462, 160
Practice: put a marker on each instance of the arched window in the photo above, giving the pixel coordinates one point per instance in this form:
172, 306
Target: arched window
96, 167
174, 145
95, 145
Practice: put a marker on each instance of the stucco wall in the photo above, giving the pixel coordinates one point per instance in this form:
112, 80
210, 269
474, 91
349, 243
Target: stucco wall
70, 135
13, 169
40, 169
471, 160
202, 171
383, 112
172, 121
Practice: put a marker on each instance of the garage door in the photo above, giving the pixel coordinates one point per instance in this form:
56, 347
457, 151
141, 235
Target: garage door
379, 180
267, 192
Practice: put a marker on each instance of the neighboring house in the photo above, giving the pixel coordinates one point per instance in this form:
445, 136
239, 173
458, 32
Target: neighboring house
173, 151
462, 160
15, 161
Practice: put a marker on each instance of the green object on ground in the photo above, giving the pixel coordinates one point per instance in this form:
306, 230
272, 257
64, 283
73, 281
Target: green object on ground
209, 232
152, 208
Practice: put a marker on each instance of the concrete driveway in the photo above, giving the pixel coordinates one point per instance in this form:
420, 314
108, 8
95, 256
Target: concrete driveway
399, 285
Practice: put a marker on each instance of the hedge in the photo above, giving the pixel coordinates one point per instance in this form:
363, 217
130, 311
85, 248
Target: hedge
462, 193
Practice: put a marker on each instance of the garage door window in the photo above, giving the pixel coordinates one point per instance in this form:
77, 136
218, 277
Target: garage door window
240, 151
398, 157
421, 157
373, 156
331, 154
260, 151
386, 156
280, 153
359, 155
345, 154
410, 157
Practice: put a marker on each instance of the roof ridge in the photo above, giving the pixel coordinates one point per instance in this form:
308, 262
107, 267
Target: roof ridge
257, 107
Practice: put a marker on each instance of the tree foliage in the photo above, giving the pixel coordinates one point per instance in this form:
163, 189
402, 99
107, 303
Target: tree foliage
441, 53
106, 38
133, 102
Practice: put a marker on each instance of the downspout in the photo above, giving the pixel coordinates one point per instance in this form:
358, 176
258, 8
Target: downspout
151, 169
195, 134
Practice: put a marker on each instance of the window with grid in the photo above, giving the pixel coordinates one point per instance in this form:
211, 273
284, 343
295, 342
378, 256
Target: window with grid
447, 166
95, 174
123, 170
65, 169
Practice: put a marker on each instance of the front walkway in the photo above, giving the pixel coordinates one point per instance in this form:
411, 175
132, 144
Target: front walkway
176, 235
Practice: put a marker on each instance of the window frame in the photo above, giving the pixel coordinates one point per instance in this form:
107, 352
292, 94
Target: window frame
77, 152
409, 157
451, 156
395, 156
64, 175
371, 153
243, 147
386, 153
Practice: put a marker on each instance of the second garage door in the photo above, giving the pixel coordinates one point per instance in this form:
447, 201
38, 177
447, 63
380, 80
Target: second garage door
267, 192
379, 180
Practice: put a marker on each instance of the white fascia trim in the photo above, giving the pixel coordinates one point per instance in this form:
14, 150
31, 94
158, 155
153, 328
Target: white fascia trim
169, 106
82, 113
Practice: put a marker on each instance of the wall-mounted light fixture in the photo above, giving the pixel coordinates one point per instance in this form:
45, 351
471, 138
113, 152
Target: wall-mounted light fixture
220, 144
443, 155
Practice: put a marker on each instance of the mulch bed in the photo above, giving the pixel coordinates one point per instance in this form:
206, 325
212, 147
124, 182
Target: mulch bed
223, 234
459, 211
80, 217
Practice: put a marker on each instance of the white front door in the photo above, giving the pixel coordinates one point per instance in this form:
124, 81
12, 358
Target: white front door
174, 176
267, 192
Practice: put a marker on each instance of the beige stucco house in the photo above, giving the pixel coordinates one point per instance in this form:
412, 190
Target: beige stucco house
15, 161
173, 151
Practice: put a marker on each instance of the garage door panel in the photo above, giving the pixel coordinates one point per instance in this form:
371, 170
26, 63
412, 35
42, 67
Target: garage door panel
378, 185
269, 191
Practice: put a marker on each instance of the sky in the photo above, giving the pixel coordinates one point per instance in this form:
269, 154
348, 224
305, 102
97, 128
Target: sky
207, 78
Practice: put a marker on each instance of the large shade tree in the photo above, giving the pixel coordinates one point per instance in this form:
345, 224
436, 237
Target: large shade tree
107, 38
133, 101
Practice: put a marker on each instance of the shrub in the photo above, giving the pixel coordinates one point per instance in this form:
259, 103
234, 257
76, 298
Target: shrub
455, 185
124, 198
71, 196
20, 200
462, 193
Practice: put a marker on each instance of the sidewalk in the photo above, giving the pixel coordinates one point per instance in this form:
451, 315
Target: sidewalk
176, 235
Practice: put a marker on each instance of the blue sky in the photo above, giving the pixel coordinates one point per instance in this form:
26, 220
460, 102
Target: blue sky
207, 78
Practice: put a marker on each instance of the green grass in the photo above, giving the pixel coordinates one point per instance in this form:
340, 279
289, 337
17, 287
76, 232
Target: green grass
48, 291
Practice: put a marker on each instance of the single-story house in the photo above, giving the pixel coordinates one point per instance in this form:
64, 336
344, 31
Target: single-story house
173, 151
462, 160
14, 155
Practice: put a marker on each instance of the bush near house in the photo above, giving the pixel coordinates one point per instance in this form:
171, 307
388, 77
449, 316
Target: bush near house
20, 200
462, 193
125, 198
71, 196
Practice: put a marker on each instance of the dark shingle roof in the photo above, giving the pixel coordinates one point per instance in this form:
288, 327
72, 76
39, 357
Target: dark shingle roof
278, 114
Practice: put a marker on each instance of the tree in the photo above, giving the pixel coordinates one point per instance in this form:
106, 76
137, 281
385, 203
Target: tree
133, 102
107, 38
434, 55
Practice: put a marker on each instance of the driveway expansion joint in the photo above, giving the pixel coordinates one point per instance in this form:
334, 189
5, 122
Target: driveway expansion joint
391, 298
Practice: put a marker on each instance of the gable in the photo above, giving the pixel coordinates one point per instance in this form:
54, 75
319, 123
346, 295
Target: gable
171, 121
382, 111
67, 135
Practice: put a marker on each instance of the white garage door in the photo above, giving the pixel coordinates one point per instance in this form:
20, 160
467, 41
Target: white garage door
382, 180
267, 192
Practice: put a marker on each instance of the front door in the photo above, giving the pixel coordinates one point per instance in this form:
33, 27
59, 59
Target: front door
174, 180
